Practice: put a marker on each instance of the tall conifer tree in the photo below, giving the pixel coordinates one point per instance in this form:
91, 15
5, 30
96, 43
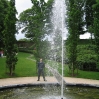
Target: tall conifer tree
9, 37
75, 28
3, 13
96, 28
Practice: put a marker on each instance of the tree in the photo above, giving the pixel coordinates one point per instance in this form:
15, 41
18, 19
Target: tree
9, 37
75, 28
89, 17
33, 21
86, 57
3, 12
96, 28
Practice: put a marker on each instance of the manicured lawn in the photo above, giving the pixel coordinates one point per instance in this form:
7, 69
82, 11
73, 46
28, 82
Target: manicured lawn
27, 68
88, 74
2, 68
82, 74
24, 67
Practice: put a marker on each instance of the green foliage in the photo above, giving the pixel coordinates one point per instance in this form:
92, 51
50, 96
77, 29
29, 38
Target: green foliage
9, 37
43, 50
96, 28
89, 12
81, 14
26, 50
75, 28
3, 13
89, 16
34, 20
25, 67
86, 57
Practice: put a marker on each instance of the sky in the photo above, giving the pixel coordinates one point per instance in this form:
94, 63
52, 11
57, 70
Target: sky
22, 5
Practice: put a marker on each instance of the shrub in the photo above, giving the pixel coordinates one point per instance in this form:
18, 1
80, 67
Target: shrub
86, 57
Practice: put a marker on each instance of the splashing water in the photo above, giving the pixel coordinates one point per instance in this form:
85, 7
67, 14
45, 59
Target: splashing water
58, 31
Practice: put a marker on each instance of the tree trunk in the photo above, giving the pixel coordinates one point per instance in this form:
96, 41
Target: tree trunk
77, 67
72, 69
11, 71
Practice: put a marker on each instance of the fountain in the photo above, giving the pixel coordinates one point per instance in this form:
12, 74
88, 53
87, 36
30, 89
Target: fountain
57, 50
57, 33
43, 92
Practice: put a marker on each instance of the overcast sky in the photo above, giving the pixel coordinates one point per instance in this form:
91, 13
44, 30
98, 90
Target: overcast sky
22, 5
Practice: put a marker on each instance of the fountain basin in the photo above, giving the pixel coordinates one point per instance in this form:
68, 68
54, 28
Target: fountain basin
48, 91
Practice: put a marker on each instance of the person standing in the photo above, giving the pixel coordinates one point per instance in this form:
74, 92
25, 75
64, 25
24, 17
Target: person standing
41, 69
1, 53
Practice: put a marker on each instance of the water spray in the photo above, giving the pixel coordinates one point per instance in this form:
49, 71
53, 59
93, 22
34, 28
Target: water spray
62, 15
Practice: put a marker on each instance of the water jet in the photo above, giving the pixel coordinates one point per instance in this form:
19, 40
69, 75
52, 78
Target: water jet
48, 91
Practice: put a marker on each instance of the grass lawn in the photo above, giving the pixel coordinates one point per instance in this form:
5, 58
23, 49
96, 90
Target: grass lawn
82, 74
2, 68
26, 68
88, 74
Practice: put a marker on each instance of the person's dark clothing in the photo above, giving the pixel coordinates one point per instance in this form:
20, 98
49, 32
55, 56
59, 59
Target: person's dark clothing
41, 67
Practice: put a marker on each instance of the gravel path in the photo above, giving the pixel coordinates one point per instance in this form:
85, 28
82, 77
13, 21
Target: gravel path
50, 80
